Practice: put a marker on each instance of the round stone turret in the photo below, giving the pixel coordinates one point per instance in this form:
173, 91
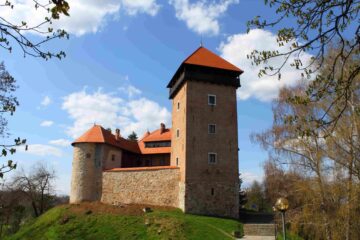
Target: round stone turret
86, 179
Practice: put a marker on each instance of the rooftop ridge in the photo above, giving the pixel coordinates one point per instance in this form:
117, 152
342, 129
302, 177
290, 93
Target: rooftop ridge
211, 60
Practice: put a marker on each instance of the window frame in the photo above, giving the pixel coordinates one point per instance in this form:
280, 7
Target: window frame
212, 104
212, 124
212, 153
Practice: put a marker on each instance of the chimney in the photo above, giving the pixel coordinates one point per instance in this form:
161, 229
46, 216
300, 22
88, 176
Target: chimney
117, 134
162, 128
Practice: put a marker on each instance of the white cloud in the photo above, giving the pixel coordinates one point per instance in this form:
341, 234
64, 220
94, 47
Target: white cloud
60, 142
236, 48
46, 123
42, 150
46, 101
248, 178
111, 111
130, 90
134, 7
202, 17
85, 15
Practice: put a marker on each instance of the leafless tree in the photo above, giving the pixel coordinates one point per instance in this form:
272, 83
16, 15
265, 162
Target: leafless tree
37, 187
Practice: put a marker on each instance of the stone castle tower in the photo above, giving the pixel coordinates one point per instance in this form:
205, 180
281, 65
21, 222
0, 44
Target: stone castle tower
204, 134
86, 173
192, 166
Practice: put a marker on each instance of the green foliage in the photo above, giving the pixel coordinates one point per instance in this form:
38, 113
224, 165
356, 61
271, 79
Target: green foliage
289, 236
133, 136
13, 33
8, 104
171, 224
319, 25
61, 7
242, 194
256, 200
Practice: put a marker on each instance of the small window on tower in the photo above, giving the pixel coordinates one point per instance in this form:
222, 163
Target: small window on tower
212, 100
177, 133
177, 161
212, 128
178, 106
212, 192
88, 155
113, 157
212, 158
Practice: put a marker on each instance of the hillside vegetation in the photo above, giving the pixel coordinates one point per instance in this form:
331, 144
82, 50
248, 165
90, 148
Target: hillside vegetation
98, 221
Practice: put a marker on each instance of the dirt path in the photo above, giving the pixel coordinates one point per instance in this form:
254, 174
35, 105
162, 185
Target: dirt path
258, 238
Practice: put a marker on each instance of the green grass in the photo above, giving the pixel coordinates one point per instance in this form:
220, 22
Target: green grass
289, 236
170, 224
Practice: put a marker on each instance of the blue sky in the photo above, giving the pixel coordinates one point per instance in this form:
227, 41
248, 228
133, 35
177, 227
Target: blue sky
120, 56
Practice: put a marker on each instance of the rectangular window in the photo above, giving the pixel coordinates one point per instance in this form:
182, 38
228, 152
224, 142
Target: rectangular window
212, 191
88, 155
177, 161
178, 106
212, 158
157, 144
177, 133
212, 100
212, 128
113, 157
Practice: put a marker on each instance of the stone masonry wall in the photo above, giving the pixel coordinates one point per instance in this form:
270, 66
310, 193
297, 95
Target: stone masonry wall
86, 173
157, 186
211, 189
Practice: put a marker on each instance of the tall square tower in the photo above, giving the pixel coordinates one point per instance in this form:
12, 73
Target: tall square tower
204, 134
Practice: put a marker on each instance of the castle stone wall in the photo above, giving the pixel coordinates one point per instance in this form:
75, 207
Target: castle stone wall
108, 160
178, 147
211, 189
212, 198
86, 173
154, 186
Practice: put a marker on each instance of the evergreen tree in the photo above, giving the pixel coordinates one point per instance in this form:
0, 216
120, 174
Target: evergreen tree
133, 136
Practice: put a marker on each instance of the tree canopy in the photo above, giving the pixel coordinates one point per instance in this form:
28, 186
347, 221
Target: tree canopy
324, 163
13, 33
133, 136
8, 104
318, 25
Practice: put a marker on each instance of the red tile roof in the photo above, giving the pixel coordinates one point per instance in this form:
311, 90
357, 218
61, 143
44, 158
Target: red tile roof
206, 58
98, 134
157, 136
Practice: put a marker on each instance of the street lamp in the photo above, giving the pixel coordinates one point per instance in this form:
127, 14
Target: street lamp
282, 205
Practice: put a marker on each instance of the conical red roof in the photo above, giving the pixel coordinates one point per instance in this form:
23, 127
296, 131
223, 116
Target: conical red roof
206, 58
98, 134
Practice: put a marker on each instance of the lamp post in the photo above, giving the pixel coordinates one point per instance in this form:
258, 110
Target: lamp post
282, 205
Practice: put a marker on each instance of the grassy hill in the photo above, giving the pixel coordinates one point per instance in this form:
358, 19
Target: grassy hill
99, 221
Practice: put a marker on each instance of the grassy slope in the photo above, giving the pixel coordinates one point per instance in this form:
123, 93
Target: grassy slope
169, 224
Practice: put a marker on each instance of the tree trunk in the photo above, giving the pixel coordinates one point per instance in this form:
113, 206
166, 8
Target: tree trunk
36, 212
353, 142
328, 234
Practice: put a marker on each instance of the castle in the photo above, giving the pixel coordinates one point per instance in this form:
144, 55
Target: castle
192, 166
